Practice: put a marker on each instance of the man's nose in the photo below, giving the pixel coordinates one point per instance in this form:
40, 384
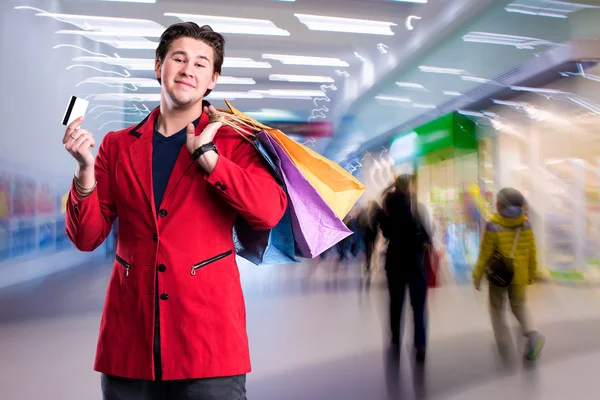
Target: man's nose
188, 70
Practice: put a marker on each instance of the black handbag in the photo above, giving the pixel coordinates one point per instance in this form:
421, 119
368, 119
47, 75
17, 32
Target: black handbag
500, 270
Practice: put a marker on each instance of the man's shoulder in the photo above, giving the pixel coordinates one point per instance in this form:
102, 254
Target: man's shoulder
120, 134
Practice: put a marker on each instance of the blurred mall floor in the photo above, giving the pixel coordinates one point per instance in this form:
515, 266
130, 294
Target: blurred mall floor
316, 335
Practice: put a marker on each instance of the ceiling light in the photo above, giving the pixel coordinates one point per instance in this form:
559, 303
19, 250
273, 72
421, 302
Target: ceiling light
471, 113
291, 94
452, 93
519, 42
149, 97
230, 80
545, 8
118, 82
234, 95
121, 26
420, 105
147, 64
234, 25
272, 115
475, 79
348, 25
536, 90
394, 98
509, 103
438, 70
136, 64
302, 78
119, 42
412, 1
239, 62
410, 85
304, 60
408, 23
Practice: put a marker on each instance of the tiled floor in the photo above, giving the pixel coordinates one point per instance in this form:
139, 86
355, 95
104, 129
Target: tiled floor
316, 335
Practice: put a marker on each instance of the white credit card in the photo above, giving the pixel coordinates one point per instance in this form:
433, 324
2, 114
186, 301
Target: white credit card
75, 108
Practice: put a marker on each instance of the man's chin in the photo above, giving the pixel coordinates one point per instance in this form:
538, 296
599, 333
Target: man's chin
181, 102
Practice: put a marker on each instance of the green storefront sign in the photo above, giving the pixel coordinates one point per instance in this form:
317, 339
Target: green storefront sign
440, 139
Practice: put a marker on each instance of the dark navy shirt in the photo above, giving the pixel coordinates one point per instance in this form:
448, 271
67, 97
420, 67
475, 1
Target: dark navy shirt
165, 151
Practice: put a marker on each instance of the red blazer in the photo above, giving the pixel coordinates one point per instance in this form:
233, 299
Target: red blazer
187, 239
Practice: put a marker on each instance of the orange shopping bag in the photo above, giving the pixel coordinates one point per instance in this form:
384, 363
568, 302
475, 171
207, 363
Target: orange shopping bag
338, 188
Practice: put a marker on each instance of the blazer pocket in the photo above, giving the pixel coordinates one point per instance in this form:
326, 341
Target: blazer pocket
211, 260
124, 263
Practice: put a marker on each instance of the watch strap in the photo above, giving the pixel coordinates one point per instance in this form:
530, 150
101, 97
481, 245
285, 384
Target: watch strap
210, 146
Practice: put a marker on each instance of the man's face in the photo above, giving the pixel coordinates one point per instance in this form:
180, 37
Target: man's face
186, 71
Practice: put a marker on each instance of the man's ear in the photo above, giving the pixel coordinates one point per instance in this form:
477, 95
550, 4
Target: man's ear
213, 81
157, 68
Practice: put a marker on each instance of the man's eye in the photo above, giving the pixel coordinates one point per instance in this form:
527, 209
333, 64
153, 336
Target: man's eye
179, 60
199, 65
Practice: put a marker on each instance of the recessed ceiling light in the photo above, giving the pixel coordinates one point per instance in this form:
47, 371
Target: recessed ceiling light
519, 42
302, 78
412, 1
394, 98
119, 82
234, 95
230, 80
452, 93
347, 25
119, 42
147, 64
439, 70
234, 25
469, 78
291, 94
130, 27
139, 97
411, 85
304, 60
421, 105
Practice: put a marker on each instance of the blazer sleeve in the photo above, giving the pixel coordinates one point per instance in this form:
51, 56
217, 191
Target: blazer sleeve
486, 250
89, 219
246, 184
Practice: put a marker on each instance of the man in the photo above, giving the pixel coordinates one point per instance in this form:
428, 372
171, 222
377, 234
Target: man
510, 234
401, 225
173, 325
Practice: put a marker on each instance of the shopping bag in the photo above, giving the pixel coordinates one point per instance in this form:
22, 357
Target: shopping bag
273, 246
315, 226
336, 186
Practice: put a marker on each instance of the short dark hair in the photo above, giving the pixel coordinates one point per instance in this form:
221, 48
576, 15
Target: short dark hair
508, 197
192, 30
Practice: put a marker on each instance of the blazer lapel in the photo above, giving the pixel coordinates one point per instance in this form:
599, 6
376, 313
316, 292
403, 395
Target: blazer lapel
140, 154
184, 161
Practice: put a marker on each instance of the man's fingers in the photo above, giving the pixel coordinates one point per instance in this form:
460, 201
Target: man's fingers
73, 126
82, 144
78, 142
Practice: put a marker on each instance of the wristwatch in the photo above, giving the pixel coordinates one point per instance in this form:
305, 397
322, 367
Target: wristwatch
210, 146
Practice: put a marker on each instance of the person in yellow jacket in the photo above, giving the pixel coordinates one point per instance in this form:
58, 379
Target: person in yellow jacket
510, 234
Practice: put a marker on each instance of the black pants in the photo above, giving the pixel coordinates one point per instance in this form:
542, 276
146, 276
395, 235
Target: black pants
227, 388
402, 272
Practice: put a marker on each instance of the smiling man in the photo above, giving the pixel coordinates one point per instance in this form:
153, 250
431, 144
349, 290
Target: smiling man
174, 320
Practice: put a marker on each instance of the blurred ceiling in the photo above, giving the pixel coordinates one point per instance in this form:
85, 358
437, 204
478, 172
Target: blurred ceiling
377, 83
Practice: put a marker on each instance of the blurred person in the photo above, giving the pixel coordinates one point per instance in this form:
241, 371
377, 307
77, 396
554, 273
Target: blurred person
509, 235
401, 225
174, 319
367, 226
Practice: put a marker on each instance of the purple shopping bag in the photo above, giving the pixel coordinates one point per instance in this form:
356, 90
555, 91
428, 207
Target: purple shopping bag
315, 226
